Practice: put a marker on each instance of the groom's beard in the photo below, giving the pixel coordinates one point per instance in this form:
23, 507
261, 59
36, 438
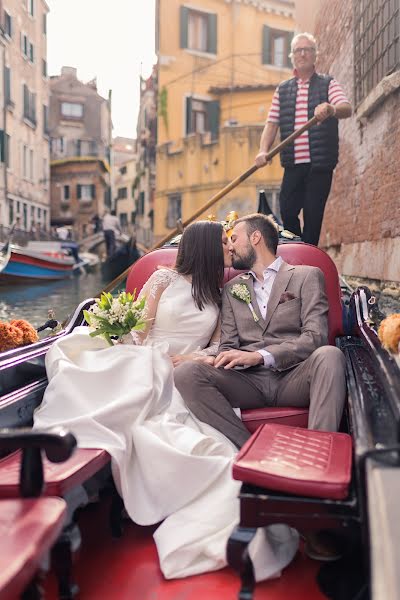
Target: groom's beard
246, 262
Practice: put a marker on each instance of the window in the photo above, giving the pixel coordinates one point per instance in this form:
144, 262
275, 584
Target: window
45, 119
198, 30
86, 192
44, 24
45, 174
276, 47
66, 193
72, 110
10, 212
8, 151
174, 210
29, 104
31, 166
25, 161
44, 68
122, 193
202, 116
123, 171
7, 24
30, 5
24, 44
25, 216
7, 84
140, 204
123, 219
376, 43
31, 53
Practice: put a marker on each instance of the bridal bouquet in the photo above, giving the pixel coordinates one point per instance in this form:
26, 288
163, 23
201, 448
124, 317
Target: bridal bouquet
114, 317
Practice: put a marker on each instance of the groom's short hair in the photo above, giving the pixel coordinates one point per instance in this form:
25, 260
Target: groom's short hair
265, 225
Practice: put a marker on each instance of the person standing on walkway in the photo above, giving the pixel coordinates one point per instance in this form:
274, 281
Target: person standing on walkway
111, 227
309, 162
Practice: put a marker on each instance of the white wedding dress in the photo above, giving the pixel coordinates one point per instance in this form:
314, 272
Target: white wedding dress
167, 465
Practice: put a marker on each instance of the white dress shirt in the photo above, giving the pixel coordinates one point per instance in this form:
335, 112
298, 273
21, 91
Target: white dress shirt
262, 291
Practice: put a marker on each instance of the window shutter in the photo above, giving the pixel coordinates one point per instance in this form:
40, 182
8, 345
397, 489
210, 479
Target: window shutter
184, 18
93, 191
26, 100
290, 36
7, 84
189, 116
213, 112
79, 191
2, 149
266, 46
78, 147
212, 34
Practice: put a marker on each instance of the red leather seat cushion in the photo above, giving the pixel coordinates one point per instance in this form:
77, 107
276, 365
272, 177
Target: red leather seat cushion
284, 415
297, 461
59, 477
28, 530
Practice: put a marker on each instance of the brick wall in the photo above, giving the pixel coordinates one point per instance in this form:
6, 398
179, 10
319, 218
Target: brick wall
362, 220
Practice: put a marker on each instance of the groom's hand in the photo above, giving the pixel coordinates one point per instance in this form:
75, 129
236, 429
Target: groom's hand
233, 358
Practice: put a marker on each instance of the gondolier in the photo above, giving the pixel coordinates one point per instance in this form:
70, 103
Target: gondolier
310, 162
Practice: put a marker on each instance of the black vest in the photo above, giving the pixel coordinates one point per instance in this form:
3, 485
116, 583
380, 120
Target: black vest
324, 138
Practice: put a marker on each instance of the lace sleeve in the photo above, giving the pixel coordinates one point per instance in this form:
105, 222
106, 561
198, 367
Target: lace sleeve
213, 344
152, 290
211, 350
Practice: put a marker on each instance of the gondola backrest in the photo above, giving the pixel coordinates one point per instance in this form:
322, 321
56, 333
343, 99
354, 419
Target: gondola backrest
292, 253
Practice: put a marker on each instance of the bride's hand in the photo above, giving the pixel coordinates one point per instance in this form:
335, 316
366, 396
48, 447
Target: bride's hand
180, 358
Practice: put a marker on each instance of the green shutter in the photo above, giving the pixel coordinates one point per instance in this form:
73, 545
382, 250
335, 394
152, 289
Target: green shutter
2, 149
212, 34
213, 118
7, 84
79, 191
184, 17
26, 100
290, 36
266, 46
188, 116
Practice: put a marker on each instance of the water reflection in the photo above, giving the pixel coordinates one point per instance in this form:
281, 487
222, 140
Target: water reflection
31, 302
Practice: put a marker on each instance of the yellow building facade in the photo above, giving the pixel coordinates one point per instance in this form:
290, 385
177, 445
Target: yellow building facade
219, 62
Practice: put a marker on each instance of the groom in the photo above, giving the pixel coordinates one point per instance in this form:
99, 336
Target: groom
273, 351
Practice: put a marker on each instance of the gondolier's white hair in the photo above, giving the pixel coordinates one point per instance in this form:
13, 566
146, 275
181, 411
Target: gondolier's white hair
309, 36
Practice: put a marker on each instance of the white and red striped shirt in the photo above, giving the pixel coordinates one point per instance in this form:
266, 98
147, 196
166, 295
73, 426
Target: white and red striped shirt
302, 145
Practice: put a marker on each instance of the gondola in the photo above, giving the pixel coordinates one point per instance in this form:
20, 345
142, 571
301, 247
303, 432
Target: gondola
128, 566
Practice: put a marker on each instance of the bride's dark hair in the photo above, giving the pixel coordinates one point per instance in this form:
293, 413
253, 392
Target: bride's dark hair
200, 255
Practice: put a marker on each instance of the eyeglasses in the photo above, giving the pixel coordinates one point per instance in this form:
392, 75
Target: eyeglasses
306, 50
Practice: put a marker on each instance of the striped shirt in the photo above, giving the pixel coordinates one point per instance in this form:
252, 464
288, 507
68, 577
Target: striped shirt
301, 144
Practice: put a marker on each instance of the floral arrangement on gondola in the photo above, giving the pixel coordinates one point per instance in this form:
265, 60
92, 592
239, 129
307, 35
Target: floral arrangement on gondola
116, 318
389, 335
16, 333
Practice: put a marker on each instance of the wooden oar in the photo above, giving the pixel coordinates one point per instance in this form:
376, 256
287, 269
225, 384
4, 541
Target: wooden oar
219, 195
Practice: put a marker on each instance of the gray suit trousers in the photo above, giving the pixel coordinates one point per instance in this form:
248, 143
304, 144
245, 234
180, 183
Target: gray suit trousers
318, 382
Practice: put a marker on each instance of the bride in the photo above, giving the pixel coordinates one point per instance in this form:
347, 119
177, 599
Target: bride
167, 465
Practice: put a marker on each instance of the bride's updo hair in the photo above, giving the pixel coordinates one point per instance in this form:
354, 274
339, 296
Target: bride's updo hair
200, 255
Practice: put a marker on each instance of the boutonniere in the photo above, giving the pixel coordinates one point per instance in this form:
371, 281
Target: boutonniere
241, 292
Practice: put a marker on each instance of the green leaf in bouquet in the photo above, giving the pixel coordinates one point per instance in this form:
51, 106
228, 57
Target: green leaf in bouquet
88, 316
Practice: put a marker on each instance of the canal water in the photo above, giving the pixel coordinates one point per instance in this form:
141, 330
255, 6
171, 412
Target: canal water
32, 302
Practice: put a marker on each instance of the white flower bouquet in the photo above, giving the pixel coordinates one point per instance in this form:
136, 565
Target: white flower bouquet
114, 317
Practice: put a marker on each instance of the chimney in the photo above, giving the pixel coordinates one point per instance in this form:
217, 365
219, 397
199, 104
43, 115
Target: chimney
69, 72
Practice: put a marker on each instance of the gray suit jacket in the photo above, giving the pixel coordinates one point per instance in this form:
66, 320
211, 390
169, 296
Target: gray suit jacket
292, 329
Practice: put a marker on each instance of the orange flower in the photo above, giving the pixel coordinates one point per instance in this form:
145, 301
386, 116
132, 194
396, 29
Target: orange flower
389, 332
16, 333
29, 332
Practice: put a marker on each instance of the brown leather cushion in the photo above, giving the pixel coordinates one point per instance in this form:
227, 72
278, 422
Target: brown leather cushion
59, 477
28, 530
297, 461
283, 415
